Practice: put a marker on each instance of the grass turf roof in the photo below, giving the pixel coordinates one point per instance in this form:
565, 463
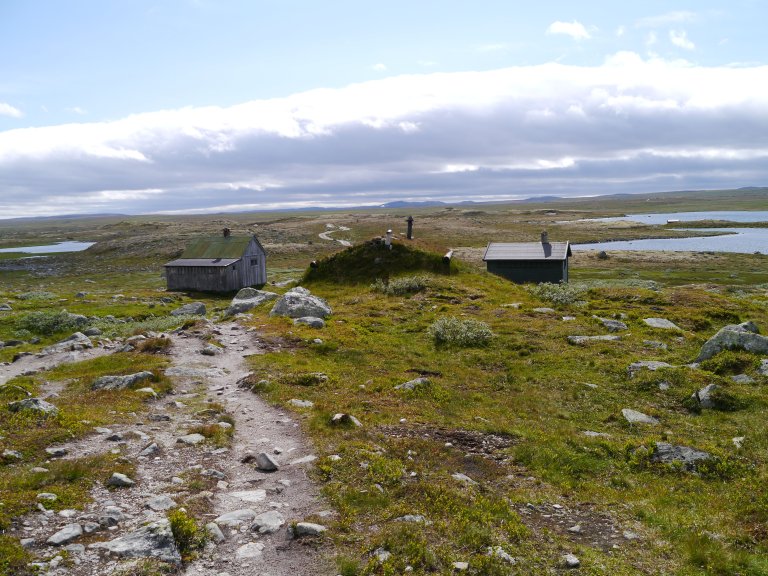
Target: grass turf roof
217, 247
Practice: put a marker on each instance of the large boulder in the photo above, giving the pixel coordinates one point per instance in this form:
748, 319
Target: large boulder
298, 303
743, 336
78, 341
191, 309
248, 298
154, 540
120, 382
37, 405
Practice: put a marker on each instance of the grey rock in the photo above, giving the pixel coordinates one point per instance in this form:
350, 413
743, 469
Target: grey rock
9, 454
571, 561
612, 325
412, 518
266, 463
704, 396
66, 535
5, 307
215, 532
688, 457
50, 497
120, 480
742, 379
77, 341
92, 331
268, 522
191, 309
248, 298
652, 365
75, 548
56, 452
763, 370
341, 419
249, 551
579, 340
111, 516
661, 323
27, 542
413, 384
463, 478
160, 503
212, 473
37, 405
593, 434
544, 310
301, 403
210, 350
91, 527
382, 555
148, 391
155, 540
501, 554
236, 518
460, 566
308, 529
311, 321
121, 382
298, 303
191, 439
635, 417
655, 344
743, 336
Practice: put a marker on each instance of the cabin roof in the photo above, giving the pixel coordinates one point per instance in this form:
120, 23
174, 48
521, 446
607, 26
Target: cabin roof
216, 247
196, 262
527, 251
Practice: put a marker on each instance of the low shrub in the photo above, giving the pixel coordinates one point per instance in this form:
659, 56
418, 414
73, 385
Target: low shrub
188, 535
453, 331
154, 345
47, 322
560, 294
400, 286
37, 295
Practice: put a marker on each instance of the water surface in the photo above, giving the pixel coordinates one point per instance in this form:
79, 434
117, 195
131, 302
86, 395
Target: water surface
69, 246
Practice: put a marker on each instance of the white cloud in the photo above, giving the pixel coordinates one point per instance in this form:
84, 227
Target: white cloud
575, 30
665, 19
680, 39
77, 110
8, 110
626, 125
379, 67
620, 31
651, 39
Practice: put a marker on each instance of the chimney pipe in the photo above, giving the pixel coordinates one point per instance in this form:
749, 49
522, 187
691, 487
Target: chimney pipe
544, 238
226, 232
410, 228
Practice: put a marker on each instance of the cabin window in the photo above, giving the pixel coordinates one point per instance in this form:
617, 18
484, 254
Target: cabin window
254, 261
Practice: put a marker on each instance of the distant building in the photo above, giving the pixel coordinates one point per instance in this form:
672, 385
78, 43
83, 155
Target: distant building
219, 264
521, 262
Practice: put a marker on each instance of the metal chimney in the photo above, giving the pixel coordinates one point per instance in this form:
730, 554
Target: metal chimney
410, 227
544, 238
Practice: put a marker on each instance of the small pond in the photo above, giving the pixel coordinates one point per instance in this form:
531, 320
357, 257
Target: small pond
68, 246
727, 215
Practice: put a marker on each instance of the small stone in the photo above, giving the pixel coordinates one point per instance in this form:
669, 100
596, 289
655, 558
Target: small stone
635, 417
150, 450
460, 566
266, 463
66, 535
191, 439
413, 384
308, 529
160, 503
341, 419
311, 321
215, 532
571, 561
236, 518
382, 555
268, 522
738, 441
56, 452
661, 323
463, 478
301, 403
629, 535
501, 554
120, 480
575, 529
249, 550
37, 405
47, 496
9, 454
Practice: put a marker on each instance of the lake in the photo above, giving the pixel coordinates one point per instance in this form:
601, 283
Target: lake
743, 240
69, 246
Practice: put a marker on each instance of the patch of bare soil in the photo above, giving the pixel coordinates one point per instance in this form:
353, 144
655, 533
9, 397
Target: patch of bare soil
472, 442
579, 523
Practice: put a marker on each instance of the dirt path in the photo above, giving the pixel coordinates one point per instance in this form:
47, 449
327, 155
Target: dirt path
171, 470
327, 235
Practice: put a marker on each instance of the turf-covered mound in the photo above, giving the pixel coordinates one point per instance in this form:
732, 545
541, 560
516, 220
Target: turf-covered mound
370, 260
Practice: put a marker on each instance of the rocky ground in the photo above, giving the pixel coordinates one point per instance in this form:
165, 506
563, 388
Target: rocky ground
253, 514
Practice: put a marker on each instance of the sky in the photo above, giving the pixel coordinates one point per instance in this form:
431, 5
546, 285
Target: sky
197, 106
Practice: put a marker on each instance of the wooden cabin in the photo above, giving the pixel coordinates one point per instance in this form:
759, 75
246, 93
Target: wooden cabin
223, 263
522, 262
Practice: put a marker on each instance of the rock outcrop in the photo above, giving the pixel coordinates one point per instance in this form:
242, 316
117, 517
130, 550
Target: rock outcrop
743, 336
248, 298
298, 303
